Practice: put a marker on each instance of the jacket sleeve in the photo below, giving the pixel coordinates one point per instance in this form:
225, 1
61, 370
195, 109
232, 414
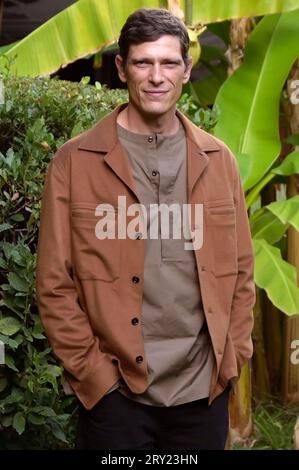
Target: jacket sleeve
66, 324
241, 321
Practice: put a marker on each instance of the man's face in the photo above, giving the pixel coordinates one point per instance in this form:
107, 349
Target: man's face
155, 73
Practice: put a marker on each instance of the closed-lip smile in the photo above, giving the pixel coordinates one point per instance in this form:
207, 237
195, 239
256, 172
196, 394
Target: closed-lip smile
156, 92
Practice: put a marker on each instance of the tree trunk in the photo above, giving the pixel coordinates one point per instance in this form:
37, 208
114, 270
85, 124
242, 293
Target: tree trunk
239, 32
260, 377
290, 376
240, 403
271, 330
240, 410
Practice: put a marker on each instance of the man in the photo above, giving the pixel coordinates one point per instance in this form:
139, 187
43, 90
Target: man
152, 334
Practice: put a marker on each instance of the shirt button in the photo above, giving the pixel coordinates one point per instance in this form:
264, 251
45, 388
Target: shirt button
134, 321
115, 362
138, 235
135, 279
139, 359
154, 173
150, 139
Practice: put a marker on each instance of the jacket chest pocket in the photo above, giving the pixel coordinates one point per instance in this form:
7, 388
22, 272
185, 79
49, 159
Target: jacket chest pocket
221, 225
96, 252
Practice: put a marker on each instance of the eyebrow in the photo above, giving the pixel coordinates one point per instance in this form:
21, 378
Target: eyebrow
149, 61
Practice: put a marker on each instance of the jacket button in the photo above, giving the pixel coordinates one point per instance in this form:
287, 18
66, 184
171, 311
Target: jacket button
135, 321
154, 173
115, 362
139, 359
135, 279
150, 139
138, 235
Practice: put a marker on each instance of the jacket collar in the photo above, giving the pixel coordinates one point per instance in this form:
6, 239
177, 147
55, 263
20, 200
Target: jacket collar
103, 138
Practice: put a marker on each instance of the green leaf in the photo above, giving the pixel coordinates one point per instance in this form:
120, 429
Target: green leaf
9, 361
54, 371
11, 303
245, 164
3, 263
289, 166
57, 431
16, 396
59, 42
10, 342
36, 419
211, 11
30, 385
85, 80
268, 227
5, 48
9, 326
276, 276
250, 98
5, 226
17, 217
19, 423
18, 283
38, 330
287, 211
44, 411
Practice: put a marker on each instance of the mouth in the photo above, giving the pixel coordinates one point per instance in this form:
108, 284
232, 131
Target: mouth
156, 93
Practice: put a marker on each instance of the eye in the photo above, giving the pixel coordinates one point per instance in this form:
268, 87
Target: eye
170, 64
141, 63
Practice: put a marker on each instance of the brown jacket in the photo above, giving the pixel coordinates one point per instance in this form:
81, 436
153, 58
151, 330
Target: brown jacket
90, 291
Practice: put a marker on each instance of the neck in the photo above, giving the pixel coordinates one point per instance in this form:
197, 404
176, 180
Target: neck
132, 120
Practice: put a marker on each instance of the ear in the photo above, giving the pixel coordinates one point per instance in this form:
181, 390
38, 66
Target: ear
119, 62
188, 70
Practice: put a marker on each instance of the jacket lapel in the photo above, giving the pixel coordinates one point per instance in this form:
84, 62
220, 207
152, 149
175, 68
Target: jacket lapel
197, 161
199, 144
118, 161
103, 138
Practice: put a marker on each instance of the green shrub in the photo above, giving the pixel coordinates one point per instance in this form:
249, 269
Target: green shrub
37, 116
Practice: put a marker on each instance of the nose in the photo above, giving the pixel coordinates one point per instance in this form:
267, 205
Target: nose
156, 75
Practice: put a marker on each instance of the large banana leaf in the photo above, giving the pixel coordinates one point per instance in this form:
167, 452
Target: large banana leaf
287, 211
289, 166
276, 276
88, 25
248, 102
211, 11
81, 29
267, 227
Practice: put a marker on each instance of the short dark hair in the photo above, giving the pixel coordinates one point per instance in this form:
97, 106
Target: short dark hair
149, 24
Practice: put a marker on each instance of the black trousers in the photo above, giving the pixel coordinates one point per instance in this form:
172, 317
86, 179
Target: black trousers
116, 422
